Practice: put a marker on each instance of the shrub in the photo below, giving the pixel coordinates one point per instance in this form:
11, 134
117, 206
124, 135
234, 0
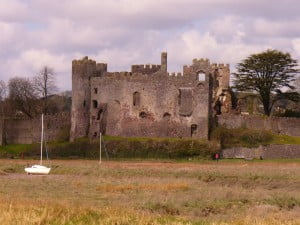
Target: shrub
242, 137
119, 147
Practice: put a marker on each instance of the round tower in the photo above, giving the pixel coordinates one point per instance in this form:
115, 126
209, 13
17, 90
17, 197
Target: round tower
82, 71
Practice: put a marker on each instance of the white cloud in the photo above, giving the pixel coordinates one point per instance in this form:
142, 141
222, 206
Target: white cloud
8, 33
282, 28
30, 62
124, 32
228, 28
296, 46
192, 44
13, 10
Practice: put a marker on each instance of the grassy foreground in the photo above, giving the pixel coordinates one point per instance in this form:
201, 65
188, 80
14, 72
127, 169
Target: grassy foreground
150, 193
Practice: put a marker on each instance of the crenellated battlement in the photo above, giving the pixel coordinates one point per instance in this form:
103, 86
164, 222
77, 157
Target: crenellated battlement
220, 66
201, 60
84, 60
145, 69
174, 74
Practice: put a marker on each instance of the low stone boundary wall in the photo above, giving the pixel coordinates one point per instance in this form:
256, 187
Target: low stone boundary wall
264, 152
27, 131
279, 125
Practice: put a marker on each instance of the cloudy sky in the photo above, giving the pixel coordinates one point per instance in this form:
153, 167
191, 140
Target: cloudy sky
34, 33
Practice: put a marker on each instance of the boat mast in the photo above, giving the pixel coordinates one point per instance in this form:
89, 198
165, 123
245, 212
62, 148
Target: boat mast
42, 139
100, 159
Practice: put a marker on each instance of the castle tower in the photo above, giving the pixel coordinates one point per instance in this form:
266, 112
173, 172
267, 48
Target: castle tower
164, 62
82, 71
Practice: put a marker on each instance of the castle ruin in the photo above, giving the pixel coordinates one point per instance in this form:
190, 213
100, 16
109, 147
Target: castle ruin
148, 101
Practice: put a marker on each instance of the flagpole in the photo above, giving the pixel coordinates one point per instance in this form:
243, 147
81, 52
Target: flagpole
42, 136
100, 159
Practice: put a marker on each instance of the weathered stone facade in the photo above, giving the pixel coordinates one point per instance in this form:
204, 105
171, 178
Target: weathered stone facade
28, 131
148, 101
263, 152
279, 125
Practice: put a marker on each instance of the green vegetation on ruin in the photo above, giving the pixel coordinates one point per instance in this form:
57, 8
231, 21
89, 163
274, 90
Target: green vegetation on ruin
152, 148
119, 147
243, 137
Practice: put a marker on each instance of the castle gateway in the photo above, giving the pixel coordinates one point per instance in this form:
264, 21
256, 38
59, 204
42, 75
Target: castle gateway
148, 101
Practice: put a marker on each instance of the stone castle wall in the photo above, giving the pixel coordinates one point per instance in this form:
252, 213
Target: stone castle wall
279, 125
147, 101
27, 131
166, 106
263, 152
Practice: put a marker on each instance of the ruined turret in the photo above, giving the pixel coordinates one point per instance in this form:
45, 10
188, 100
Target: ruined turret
164, 62
82, 71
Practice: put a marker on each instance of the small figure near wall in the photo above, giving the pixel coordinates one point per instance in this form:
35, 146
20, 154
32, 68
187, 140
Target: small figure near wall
217, 157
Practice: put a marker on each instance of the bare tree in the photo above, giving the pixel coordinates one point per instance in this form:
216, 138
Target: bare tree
23, 96
3, 91
45, 85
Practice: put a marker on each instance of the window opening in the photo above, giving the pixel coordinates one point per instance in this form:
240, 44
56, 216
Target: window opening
201, 76
95, 104
193, 129
136, 99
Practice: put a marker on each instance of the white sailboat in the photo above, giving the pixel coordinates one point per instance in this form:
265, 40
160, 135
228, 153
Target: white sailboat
39, 169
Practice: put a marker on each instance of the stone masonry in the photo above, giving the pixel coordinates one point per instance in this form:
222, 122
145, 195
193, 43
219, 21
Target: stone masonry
263, 152
147, 101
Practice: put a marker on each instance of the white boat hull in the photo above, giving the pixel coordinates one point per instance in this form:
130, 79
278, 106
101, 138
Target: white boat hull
37, 169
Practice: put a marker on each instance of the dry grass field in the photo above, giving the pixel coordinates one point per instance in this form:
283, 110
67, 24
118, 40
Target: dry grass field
150, 193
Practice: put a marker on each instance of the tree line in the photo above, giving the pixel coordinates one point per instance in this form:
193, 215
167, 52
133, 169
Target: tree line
29, 96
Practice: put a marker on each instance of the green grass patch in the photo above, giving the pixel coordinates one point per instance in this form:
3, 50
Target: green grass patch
285, 139
120, 147
16, 149
244, 137
284, 202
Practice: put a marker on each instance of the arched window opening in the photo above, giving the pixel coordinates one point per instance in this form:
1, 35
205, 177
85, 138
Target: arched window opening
201, 76
136, 99
194, 128
95, 104
143, 115
166, 116
200, 85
